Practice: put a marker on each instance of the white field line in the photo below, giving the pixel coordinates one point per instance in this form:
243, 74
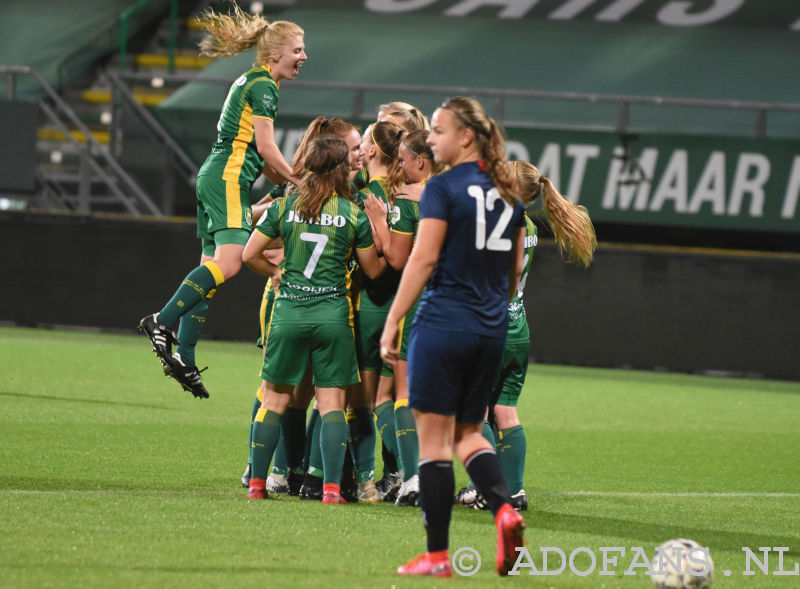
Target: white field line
645, 494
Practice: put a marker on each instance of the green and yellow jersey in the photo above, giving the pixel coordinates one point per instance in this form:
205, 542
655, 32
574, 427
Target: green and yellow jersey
315, 280
234, 156
377, 293
517, 319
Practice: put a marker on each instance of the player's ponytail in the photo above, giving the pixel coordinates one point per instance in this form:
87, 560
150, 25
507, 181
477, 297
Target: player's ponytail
327, 164
490, 143
387, 136
572, 228
229, 34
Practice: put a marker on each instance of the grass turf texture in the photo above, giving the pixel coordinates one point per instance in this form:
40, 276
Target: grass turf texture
114, 476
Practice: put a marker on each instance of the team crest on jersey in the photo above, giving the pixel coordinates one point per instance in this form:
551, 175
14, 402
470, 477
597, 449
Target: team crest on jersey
249, 217
395, 212
241, 81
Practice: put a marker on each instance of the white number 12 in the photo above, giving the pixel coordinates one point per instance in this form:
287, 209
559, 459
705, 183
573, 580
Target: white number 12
486, 203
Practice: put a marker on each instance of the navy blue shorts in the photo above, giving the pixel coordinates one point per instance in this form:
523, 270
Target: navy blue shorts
452, 373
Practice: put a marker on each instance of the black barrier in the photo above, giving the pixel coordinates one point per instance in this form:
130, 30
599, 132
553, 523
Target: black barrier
650, 308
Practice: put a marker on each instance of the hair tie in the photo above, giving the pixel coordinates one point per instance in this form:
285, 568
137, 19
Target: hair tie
396, 122
515, 168
422, 155
375, 143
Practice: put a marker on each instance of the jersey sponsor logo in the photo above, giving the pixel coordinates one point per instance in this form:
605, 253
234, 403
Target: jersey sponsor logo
241, 81
325, 220
531, 241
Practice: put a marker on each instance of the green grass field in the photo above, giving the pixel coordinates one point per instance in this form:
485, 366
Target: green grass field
114, 477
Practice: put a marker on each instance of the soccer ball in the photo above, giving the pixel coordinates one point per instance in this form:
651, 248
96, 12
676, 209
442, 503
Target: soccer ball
682, 564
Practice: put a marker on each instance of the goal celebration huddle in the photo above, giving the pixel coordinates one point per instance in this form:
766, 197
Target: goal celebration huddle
392, 317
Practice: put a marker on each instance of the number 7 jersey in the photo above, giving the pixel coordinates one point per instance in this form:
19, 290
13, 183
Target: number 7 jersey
468, 290
316, 281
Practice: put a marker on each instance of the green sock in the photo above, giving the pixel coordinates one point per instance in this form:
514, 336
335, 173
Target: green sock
362, 443
310, 425
333, 441
407, 442
315, 451
253, 413
488, 433
384, 414
511, 450
194, 288
189, 331
266, 433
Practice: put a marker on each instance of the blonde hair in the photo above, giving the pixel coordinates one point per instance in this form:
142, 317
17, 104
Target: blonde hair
327, 168
319, 127
405, 115
489, 139
571, 225
229, 34
387, 136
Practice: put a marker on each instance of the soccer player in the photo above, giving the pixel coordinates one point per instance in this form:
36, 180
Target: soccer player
469, 252
380, 143
245, 147
574, 233
284, 477
417, 165
402, 114
312, 319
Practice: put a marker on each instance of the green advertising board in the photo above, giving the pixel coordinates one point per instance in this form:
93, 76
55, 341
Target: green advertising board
666, 180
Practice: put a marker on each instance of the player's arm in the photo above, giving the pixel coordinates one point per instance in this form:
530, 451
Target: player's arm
372, 265
253, 254
275, 167
517, 259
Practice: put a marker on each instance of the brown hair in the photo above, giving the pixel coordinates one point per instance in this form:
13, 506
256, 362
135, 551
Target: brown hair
416, 143
405, 115
229, 34
489, 139
317, 128
327, 164
386, 136
571, 225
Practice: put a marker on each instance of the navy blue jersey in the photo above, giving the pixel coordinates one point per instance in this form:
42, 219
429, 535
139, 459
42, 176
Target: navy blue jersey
468, 290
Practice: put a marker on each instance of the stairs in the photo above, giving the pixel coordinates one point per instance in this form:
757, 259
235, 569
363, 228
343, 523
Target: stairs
61, 152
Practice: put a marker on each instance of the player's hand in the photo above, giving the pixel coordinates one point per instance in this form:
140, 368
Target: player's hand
412, 191
389, 347
375, 209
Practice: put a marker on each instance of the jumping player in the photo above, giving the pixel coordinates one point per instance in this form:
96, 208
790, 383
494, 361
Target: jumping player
469, 244
245, 147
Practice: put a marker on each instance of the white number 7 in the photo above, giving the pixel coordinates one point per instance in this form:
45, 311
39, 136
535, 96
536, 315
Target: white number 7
321, 240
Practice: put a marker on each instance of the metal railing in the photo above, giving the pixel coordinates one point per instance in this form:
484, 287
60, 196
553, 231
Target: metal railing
496, 99
97, 163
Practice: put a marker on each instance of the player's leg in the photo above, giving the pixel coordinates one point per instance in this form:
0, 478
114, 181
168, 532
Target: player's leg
405, 426
312, 481
392, 478
361, 427
480, 372
285, 361
334, 366
512, 443
266, 433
